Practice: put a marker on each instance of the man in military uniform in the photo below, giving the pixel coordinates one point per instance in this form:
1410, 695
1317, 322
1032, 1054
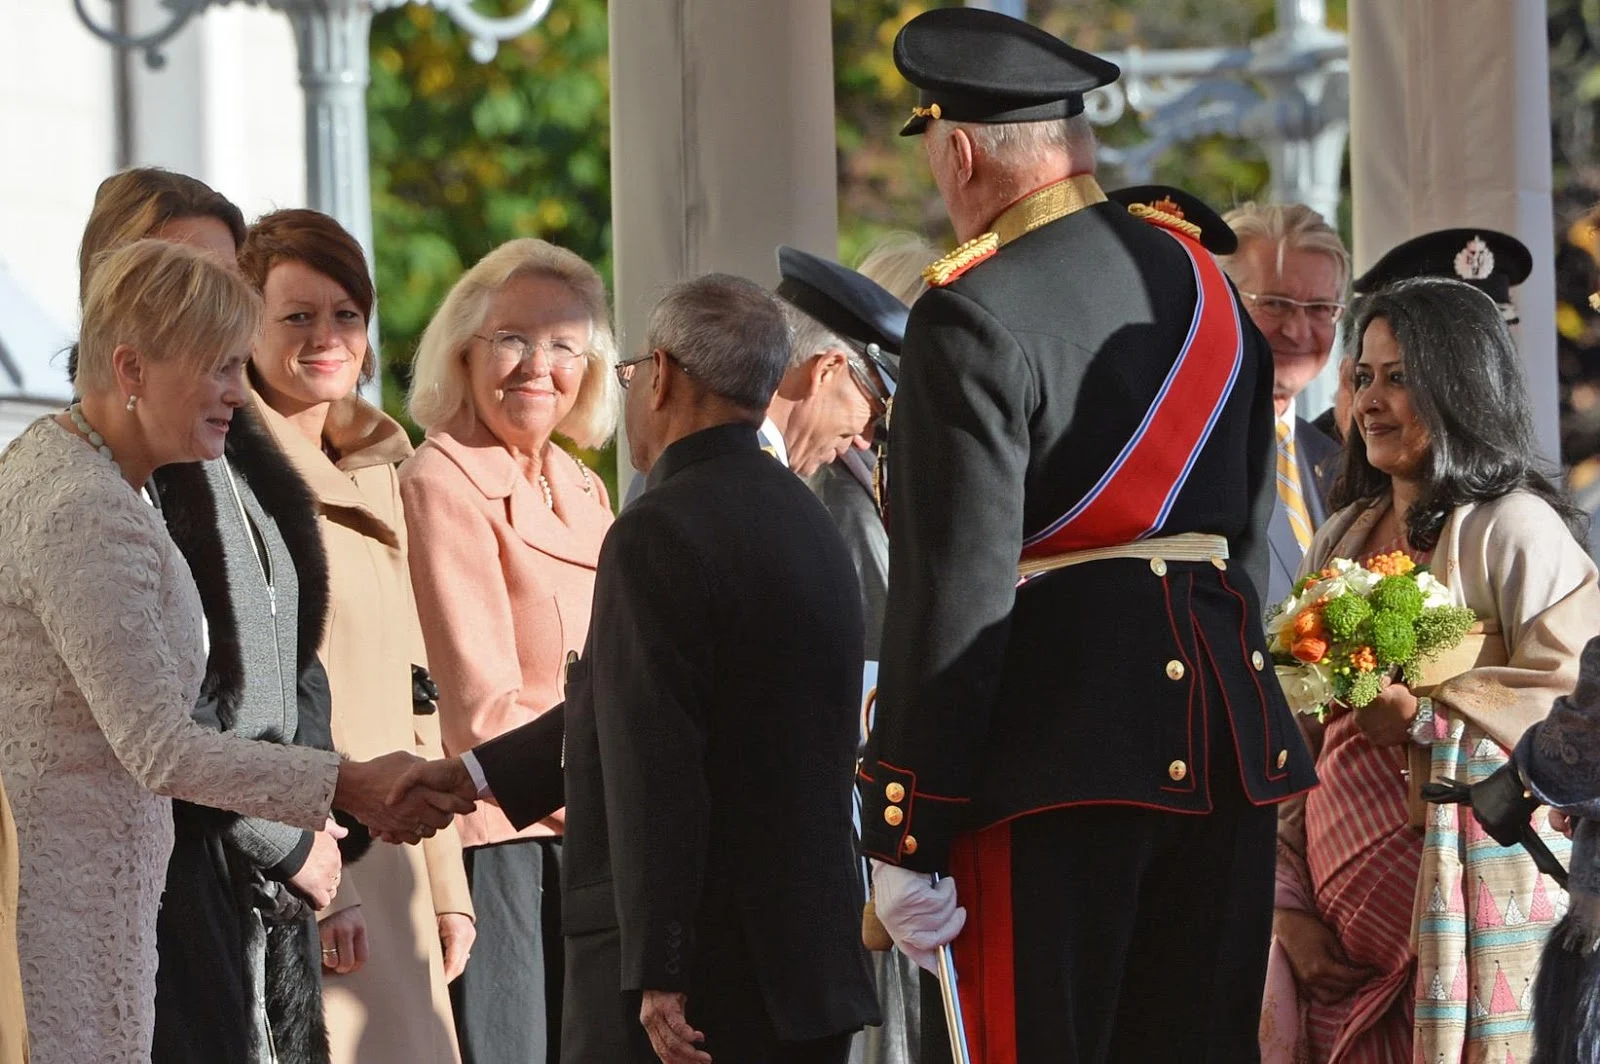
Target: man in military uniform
1077, 719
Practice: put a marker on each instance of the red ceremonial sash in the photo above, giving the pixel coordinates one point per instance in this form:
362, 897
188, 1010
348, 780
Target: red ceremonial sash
1133, 498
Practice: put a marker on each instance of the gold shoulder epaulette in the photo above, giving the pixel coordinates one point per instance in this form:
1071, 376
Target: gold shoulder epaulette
943, 271
1165, 219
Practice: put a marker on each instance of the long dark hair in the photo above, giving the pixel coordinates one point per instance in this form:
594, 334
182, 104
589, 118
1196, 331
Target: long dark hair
1466, 387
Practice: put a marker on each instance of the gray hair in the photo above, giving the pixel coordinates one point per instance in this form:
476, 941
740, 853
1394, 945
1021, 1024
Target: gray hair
729, 334
1030, 143
1287, 226
808, 338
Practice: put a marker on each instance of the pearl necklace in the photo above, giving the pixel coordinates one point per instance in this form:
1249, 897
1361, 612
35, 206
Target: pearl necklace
97, 441
549, 497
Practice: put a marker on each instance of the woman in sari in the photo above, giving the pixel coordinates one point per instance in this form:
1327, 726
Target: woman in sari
1403, 934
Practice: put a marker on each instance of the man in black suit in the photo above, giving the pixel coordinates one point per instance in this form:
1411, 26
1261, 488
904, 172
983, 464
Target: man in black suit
1292, 270
1077, 718
708, 735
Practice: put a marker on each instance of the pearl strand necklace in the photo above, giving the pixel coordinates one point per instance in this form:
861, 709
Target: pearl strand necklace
97, 441
549, 497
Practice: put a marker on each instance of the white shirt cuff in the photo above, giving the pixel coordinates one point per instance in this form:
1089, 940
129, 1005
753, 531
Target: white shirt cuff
475, 770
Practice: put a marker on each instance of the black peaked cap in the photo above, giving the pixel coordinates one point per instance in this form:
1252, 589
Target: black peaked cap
1489, 260
854, 306
1216, 236
974, 65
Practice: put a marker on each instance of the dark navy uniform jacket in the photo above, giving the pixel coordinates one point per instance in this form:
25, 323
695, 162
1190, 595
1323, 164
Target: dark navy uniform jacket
1023, 379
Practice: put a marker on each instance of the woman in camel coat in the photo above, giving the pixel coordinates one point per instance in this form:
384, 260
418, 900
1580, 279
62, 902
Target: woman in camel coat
13, 1028
401, 923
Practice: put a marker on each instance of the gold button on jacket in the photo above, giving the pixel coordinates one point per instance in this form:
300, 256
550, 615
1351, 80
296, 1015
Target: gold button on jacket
909, 846
1158, 567
1177, 770
894, 792
892, 815
1283, 758
1174, 669
1258, 661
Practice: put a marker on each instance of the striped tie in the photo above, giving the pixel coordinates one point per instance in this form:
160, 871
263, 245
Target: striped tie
1289, 488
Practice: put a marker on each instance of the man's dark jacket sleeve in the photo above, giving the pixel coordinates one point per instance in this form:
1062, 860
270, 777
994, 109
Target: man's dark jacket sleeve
653, 626
523, 768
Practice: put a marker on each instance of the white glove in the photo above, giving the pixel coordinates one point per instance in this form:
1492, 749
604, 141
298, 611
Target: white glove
918, 915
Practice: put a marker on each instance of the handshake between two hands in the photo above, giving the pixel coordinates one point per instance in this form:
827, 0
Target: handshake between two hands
403, 799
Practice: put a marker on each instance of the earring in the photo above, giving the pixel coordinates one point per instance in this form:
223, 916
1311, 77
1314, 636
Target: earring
133, 401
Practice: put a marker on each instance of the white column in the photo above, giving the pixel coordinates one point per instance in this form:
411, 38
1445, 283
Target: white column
722, 143
225, 107
1450, 126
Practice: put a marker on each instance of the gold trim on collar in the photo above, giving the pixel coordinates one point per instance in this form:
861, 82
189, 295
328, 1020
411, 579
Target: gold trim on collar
1047, 205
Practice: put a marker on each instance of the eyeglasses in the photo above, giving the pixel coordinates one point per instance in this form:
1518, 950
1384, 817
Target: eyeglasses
871, 390
625, 370
512, 348
1282, 308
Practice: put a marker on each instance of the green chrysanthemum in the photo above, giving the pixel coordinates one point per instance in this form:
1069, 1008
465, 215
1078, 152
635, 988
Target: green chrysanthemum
1394, 639
1399, 595
1344, 615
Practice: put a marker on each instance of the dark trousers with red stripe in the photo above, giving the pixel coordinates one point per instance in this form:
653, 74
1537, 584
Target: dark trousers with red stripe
1115, 935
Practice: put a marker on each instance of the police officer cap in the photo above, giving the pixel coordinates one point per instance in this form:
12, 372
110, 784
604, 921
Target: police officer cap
858, 309
1488, 260
1216, 236
973, 65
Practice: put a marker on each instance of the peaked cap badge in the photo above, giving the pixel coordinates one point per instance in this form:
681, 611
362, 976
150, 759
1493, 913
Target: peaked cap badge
1475, 262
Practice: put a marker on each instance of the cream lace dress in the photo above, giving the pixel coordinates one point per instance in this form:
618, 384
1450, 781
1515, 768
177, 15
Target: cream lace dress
100, 661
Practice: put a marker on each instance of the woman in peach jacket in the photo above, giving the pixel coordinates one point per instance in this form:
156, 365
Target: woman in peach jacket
505, 534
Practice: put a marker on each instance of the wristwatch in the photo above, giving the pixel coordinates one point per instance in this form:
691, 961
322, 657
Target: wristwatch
1421, 730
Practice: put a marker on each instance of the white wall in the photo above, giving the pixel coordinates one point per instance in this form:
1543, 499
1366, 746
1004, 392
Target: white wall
227, 108
57, 142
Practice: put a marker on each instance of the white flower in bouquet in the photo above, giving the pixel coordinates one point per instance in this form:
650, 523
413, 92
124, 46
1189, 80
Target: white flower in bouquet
1434, 593
1307, 688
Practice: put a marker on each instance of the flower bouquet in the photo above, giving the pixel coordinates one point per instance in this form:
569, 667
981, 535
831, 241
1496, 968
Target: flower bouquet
1347, 627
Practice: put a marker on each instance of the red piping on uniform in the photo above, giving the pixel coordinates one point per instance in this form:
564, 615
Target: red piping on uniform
985, 950
1266, 722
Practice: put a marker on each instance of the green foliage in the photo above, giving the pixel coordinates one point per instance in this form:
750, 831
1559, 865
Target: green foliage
1364, 687
1394, 640
1344, 616
1398, 595
466, 156
884, 182
1442, 628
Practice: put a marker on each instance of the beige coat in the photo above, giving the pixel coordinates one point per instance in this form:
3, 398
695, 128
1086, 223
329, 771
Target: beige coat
396, 1008
13, 1028
504, 585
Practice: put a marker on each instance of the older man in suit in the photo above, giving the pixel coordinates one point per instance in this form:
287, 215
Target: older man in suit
711, 901
1291, 269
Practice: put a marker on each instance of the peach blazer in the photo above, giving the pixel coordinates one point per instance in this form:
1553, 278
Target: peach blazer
504, 585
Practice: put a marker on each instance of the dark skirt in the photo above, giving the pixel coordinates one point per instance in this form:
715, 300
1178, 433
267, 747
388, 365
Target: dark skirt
508, 1001
203, 1006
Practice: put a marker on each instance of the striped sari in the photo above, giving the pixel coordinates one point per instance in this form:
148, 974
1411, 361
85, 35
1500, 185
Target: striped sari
1451, 923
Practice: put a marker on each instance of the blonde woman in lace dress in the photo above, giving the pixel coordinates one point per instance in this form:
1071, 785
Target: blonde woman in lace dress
102, 653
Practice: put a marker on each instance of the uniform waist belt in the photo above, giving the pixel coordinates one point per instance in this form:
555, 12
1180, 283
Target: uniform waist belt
1186, 547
